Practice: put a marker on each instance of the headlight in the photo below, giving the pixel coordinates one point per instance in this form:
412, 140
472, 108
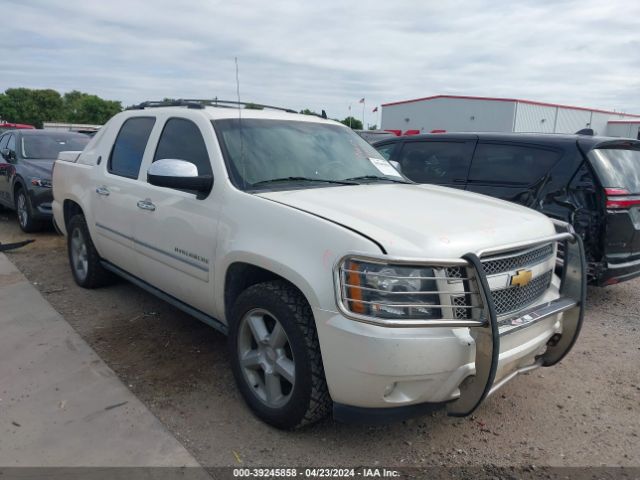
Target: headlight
389, 291
41, 182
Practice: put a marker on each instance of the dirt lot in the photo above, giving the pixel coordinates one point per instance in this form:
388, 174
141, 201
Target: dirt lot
586, 411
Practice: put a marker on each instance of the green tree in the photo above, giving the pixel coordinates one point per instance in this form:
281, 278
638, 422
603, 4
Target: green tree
81, 107
22, 105
352, 122
373, 127
253, 106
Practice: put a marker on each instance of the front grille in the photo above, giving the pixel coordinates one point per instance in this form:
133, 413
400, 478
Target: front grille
460, 313
518, 260
511, 299
516, 298
454, 272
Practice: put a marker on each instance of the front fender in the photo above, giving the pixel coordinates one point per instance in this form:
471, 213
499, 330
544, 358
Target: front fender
296, 245
272, 265
15, 181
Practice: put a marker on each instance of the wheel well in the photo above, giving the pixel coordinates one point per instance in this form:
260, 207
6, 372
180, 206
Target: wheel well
18, 186
241, 276
70, 209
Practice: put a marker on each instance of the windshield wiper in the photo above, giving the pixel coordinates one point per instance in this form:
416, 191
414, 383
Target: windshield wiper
375, 177
302, 179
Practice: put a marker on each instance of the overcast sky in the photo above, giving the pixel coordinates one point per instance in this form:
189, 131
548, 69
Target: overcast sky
327, 53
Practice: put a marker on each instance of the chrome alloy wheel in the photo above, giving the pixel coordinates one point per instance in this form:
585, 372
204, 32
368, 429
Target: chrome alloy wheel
23, 214
79, 257
266, 358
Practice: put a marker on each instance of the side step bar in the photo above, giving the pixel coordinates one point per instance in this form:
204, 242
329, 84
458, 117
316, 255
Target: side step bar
203, 317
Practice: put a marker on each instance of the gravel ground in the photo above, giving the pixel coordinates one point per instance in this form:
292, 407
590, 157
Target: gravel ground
583, 412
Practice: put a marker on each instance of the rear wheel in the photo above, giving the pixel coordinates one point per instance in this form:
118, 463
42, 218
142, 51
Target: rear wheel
25, 213
84, 260
275, 356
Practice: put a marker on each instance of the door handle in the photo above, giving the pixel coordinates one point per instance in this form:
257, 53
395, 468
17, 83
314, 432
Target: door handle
102, 190
146, 205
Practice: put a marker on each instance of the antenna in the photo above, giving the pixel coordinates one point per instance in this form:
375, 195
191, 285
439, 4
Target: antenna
244, 181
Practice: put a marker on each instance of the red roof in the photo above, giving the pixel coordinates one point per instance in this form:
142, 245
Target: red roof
495, 99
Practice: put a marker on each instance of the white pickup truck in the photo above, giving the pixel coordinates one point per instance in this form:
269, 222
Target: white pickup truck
341, 284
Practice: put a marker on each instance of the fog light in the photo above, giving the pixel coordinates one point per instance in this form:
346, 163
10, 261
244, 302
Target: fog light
388, 390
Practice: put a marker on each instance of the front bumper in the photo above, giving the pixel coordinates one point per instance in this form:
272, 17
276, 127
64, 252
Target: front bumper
41, 199
377, 373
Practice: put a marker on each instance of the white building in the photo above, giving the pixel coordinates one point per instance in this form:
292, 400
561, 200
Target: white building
624, 128
482, 114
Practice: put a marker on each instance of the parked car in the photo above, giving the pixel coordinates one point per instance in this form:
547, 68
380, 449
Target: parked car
26, 161
372, 136
341, 284
4, 126
591, 182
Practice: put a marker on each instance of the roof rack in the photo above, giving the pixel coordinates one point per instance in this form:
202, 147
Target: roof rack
200, 103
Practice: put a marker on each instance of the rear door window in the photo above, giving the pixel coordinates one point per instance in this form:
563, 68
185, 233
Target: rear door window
617, 168
510, 164
435, 161
129, 147
387, 150
181, 139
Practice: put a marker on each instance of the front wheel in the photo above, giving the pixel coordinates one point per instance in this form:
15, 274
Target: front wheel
25, 213
84, 260
275, 356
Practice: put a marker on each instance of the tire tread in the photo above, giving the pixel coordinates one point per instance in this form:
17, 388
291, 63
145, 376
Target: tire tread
320, 402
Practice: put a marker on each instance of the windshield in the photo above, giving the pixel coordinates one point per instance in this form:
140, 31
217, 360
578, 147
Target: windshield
617, 168
47, 146
302, 153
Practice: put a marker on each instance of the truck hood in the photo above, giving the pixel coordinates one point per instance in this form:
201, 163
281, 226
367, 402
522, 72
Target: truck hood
423, 221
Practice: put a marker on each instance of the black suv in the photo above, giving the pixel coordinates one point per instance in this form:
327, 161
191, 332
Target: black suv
591, 182
26, 161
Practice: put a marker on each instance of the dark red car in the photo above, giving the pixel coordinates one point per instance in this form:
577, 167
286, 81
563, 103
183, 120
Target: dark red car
4, 126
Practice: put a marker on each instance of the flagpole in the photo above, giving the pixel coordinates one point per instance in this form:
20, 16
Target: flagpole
350, 115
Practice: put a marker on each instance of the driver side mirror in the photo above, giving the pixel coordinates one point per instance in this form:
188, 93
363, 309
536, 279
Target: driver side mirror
179, 174
8, 155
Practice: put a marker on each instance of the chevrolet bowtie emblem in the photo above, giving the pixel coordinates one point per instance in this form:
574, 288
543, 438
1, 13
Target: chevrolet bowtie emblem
521, 278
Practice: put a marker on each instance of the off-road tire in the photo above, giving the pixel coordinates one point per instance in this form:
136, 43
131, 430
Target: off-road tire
97, 275
310, 400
